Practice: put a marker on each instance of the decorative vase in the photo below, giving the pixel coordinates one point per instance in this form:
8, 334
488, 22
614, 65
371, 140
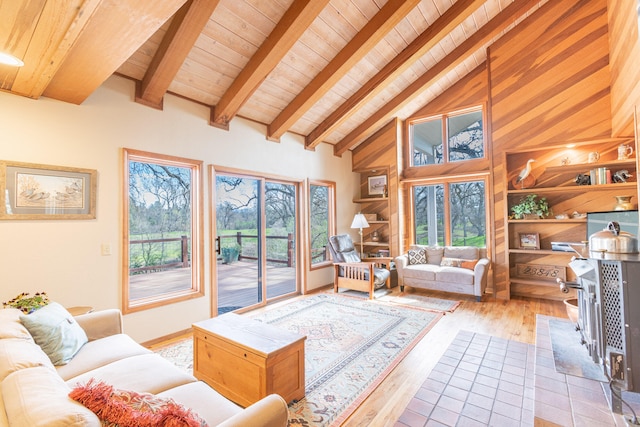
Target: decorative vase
375, 236
623, 203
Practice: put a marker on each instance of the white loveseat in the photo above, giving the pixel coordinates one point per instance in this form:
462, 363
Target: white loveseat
458, 269
34, 392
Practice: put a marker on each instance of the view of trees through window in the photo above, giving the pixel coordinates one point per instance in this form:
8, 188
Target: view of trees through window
465, 216
237, 215
160, 219
321, 202
463, 133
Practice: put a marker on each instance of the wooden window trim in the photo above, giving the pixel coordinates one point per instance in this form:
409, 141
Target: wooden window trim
197, 233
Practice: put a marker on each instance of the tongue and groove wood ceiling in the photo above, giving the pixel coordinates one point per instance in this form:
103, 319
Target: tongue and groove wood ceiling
334, 71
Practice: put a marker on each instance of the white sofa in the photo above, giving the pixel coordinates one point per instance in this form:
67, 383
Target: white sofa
34, 392
458, 269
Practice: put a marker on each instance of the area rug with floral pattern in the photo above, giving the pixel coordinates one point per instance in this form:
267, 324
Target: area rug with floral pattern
352, 345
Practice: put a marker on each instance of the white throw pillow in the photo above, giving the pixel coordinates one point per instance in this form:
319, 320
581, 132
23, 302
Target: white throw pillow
56, 332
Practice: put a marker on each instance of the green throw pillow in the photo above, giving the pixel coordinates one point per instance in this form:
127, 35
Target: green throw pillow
56, 332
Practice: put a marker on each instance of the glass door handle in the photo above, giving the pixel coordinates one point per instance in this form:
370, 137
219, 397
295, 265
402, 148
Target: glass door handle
218, 249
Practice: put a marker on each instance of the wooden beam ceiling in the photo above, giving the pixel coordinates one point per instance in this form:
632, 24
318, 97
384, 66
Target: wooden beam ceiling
453, 17
115, 31
289, 29
359, 46
332, 71
186, 26
480, 38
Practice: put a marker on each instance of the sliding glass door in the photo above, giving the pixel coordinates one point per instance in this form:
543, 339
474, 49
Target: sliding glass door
255, 235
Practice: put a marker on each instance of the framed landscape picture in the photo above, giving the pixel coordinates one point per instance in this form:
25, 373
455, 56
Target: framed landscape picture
529, 240
376, 184
34, 191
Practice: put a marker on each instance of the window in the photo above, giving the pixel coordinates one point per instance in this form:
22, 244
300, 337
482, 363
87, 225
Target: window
321, 221
462, 132
450, 213
162, 250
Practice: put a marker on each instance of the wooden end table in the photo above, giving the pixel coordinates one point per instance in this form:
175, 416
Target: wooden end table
246, 360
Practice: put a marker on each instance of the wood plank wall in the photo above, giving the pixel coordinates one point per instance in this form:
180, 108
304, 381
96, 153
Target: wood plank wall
380, 151
550, 83
625, 65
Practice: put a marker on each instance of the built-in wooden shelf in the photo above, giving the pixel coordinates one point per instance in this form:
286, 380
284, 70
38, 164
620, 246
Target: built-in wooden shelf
573, 188
371, 199
584, 167
539, 252
550, 220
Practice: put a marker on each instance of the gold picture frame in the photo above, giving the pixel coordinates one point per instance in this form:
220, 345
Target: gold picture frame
30, 191
529, 240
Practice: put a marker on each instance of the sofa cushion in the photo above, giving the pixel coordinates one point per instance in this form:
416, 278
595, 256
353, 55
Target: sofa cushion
123, 408
101, 352
16, 354
36, 397
463, 252
205, 401
10, 325
417, 256
421, 271
56, 332
139, 373
460, 276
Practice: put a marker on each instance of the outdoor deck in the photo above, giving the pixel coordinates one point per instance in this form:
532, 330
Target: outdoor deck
237, 283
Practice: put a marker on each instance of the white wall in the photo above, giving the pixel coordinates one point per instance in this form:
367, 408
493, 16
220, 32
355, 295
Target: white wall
63, 258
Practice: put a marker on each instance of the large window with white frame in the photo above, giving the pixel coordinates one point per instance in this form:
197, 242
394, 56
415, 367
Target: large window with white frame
162, 231
445, 138
450, 211
322, 221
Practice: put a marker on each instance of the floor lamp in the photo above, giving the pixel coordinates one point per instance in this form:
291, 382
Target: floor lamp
359, 221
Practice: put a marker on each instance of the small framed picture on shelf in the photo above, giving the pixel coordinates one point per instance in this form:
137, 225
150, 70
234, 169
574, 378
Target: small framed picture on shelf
528, 240
377, 185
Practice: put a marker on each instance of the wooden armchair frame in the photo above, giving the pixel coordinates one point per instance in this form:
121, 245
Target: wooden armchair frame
359, 276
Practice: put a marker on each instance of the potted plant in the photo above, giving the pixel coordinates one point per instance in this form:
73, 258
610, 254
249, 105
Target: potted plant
530, 206
230, 254
26, 303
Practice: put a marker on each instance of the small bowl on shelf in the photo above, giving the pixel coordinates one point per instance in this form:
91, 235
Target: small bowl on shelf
562, 216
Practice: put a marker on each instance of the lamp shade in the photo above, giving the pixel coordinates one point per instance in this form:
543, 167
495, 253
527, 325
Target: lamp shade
359, 221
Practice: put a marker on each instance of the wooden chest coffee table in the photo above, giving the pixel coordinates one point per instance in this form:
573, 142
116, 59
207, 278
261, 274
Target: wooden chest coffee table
246, 360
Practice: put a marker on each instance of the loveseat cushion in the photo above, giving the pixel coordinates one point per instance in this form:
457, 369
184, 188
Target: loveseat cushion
56, 332
461, 276
17, 354
145, 373
11, 326
434, 253
421, 271
462, 252
95, 354
36, 397
205, 401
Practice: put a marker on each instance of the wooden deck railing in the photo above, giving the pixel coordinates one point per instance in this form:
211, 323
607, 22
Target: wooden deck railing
239, 236
184, 254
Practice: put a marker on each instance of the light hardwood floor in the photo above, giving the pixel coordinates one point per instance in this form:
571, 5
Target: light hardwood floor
513, 320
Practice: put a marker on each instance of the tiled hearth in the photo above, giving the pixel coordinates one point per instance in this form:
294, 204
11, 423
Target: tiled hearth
488, 381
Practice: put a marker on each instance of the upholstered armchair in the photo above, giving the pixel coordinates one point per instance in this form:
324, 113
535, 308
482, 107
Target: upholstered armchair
351, 272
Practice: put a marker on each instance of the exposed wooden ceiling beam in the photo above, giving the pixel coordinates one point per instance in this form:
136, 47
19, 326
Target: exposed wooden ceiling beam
374, 31
289, 29
488, 31
453, 17
42, 35
186, 26
115, 30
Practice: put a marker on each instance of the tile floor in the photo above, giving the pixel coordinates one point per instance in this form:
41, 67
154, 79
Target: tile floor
480, 380
488, 381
